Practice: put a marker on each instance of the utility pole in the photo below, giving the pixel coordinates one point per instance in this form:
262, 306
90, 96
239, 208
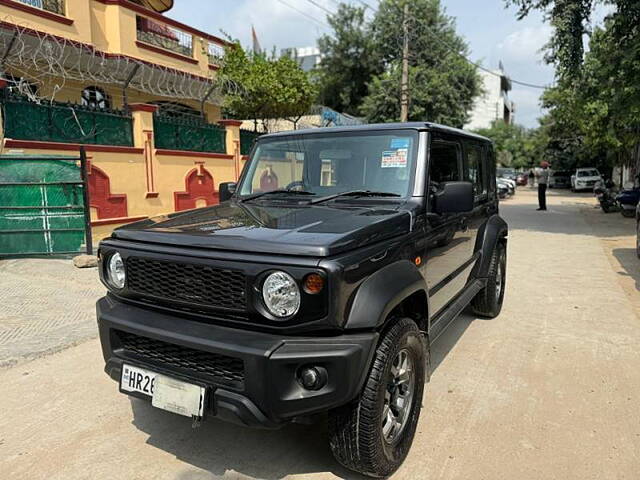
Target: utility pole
404, 83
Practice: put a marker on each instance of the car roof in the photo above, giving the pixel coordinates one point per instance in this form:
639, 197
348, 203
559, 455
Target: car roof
379, 126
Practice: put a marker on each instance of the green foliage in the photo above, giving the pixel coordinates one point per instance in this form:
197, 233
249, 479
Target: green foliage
348, 62
442, 84
594, 110
267, 87
361, 67
570, 19
516, 146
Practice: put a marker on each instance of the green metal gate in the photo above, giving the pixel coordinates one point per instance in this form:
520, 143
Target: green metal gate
43, 205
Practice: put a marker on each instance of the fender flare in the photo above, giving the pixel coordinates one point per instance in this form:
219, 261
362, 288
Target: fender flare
379, 294
493, 231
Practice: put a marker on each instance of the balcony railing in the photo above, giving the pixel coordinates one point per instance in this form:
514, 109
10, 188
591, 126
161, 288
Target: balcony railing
54, 6
216, 53
163, 36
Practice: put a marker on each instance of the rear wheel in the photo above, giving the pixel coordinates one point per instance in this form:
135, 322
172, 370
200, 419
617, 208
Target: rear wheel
373, 434
488, 301
628, 213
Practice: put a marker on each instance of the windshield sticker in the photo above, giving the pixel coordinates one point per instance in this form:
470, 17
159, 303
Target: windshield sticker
398, 143
394, 158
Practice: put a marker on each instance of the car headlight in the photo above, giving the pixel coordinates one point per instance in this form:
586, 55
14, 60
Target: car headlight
115, 271
281, 294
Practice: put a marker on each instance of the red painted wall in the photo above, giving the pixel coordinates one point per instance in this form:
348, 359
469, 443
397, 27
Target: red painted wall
198, 185
107, 205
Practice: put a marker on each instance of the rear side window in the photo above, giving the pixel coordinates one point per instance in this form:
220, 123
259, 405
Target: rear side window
474, 168
444, 162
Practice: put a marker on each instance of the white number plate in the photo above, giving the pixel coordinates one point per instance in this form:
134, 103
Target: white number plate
166, 393
136, 379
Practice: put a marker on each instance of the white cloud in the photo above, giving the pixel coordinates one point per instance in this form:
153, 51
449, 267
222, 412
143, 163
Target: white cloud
525, 43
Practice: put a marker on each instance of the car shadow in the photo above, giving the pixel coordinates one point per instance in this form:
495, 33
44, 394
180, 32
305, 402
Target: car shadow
630, 262
222, 448
225, 449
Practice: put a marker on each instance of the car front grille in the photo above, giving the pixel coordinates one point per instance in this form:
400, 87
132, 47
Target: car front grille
191, 283
217, 368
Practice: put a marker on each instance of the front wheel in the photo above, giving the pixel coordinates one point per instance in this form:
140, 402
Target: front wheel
627, 213
373, 434
488, 301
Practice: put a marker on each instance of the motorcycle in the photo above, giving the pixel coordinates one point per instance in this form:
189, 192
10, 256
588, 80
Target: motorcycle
627, 201
605, 195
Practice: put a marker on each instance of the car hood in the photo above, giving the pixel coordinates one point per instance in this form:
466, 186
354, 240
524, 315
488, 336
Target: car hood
587, 179
278, 228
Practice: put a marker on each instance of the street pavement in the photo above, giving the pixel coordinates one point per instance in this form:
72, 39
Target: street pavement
548, 390
45, 305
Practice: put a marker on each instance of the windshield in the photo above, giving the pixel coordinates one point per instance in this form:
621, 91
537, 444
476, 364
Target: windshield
333, 163
588, 173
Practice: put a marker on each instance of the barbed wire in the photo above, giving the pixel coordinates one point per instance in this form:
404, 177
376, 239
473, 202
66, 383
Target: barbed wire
45, 59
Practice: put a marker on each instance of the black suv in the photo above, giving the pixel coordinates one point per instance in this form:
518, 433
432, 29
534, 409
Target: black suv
318, 284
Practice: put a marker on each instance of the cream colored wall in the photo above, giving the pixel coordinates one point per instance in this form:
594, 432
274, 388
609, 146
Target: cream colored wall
77, 10
110, 28
127, 174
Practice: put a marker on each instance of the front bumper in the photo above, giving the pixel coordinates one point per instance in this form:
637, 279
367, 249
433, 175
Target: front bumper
265, 392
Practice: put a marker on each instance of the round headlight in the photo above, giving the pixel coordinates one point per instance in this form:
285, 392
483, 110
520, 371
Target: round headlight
281, 294
115, 271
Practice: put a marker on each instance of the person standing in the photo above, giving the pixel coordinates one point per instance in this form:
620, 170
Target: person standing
543, 180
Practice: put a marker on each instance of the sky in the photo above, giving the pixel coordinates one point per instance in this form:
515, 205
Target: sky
492, 31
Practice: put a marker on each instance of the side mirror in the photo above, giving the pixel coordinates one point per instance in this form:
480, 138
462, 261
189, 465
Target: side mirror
454, 197
226, 190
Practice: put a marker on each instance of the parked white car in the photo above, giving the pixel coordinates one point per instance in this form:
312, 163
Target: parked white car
585, 179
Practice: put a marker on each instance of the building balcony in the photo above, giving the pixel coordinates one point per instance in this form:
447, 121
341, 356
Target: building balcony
164, 36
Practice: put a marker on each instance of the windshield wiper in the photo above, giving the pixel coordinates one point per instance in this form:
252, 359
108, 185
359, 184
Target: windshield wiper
354, 193
272, 192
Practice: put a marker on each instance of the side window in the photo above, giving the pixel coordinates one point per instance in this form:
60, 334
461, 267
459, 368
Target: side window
444, 165
474, 168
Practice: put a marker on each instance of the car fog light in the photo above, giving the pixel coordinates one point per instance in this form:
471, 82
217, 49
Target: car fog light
115, 271
313, 378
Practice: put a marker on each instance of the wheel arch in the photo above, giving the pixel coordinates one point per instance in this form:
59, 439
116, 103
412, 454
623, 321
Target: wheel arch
398, 289
494, 230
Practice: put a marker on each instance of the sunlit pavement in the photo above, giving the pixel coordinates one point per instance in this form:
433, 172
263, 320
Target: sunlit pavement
549, 389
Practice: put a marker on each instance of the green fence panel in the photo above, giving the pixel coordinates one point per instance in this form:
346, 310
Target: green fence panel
192, 134
60, 122
41, 206
247, 138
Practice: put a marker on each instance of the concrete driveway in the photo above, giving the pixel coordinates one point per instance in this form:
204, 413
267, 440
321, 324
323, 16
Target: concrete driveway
549, 389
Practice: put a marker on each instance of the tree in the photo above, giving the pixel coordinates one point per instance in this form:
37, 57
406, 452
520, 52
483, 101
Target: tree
442, 84
264, 87
516, 146
594, 110
348, 63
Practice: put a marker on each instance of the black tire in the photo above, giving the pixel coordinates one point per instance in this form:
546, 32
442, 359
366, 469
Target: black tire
356, 430
488, 302
638, 238
628, 213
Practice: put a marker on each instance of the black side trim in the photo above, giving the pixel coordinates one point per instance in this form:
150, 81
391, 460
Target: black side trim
449, 313
453, 274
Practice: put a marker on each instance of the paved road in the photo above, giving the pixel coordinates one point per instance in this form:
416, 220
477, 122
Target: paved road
46, 305
549, 389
